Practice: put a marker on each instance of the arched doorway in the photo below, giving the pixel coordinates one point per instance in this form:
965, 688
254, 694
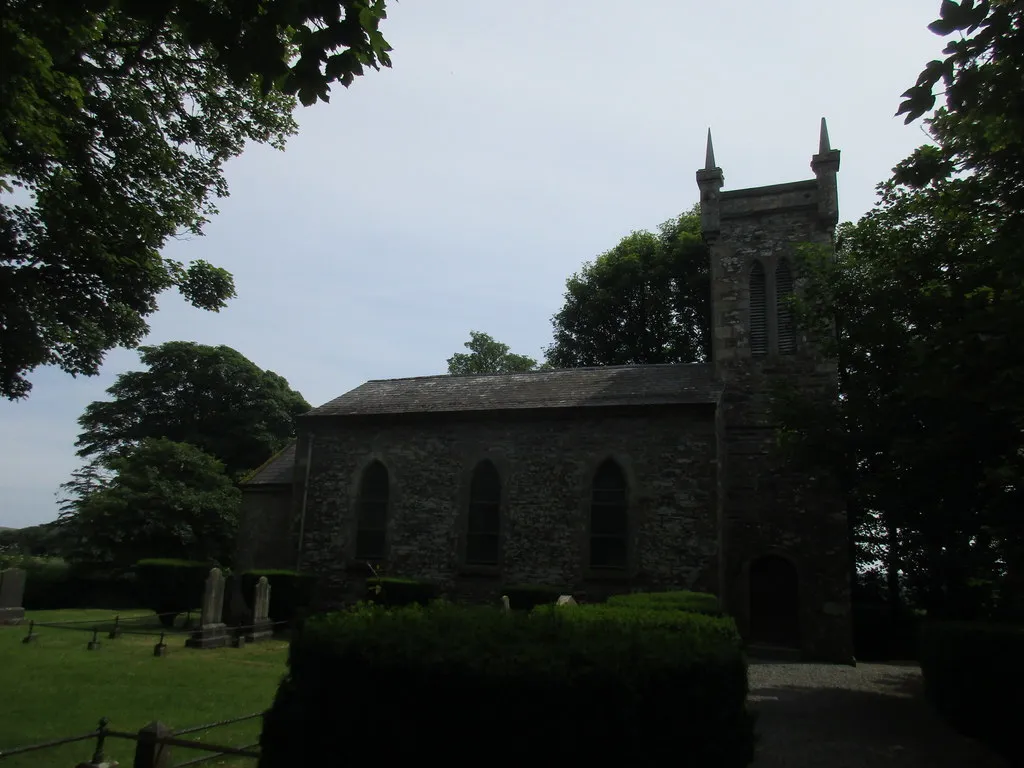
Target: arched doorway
774, 602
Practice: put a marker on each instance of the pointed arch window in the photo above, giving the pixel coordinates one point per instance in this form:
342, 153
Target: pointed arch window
484, 525
372, 513
758, 315
783, 311
609, 522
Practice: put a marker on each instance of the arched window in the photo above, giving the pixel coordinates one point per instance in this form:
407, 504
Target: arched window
372, 513
784, 314
758, 319
484, 524
609, 523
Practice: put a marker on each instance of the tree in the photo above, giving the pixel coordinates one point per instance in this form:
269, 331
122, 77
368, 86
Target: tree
116, 119
165, 499
647, 300
213, 398
488, 356
926, 295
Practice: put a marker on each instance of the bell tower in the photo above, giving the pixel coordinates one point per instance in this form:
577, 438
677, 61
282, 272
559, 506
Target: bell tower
784, 556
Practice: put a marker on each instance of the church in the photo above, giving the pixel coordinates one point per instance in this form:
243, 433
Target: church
594, 480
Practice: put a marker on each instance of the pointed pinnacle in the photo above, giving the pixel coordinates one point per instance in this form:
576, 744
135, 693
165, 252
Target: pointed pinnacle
709, 158
823, 144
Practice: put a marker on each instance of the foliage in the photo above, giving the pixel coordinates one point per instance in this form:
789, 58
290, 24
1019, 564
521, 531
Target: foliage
972, 672
882, 632
488, 356
290, 592
164, 499
925, 292
647, 300
525, 597
692, 602
168, 586
542, 678
117, 118
43, 540
123, 682
213, 398
393, 591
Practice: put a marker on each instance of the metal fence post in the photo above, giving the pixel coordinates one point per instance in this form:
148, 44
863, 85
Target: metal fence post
31, 636
94, 643
116, 631
149, 752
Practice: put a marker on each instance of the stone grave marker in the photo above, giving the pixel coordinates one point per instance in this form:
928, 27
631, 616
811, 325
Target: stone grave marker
565, 600
212, 632
12, 590
261, 627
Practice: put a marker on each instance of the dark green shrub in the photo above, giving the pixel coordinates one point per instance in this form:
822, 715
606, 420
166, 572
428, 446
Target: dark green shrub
53, 584
395, 592
612, 686
525, 597
971, 673
170, 587
882, 634
290, 592
692, 602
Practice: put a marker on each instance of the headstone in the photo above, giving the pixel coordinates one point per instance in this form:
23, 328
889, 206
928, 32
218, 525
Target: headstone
565, 600
12, 590
261, 627
212, 632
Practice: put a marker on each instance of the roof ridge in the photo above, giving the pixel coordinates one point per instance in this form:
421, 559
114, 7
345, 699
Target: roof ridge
623, 366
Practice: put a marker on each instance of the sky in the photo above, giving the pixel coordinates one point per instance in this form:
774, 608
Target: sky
508, 144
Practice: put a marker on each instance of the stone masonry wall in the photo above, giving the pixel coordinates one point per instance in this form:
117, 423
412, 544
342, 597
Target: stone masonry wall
546, 464
766, 507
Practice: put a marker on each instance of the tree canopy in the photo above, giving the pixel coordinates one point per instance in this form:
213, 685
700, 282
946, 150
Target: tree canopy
213, 398
926, 292
488, 356
116, 119
165, 499
647, 300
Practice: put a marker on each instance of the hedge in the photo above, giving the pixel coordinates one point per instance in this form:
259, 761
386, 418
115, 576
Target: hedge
691, 602
972, 673
595, 685
52, 583
527, 596
882, 634
290, 592
169, 587
395, 592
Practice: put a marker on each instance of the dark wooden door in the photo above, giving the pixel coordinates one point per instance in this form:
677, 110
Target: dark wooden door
774, 602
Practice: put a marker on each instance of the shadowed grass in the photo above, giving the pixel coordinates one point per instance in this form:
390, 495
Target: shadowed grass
54, 688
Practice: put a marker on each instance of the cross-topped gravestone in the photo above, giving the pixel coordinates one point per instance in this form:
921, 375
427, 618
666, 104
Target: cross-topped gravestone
12, 590
261, 625
212, 632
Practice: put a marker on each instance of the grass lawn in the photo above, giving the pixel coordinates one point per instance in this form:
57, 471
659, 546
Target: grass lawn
54, 688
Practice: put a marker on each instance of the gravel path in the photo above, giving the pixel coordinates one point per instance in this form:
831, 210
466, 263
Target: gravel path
868, 716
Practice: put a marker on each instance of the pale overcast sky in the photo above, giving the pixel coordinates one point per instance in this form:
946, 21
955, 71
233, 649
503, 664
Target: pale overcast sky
509, 143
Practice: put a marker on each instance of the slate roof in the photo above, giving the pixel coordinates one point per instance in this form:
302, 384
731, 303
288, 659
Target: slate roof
564, 388
277, 469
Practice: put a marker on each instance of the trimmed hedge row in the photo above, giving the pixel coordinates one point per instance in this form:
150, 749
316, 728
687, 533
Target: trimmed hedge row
395, 592
425, 683
691, 602
881, 634
525, 597
170, 587
972, 672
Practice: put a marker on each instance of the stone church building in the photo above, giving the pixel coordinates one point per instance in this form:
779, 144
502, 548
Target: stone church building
594, 480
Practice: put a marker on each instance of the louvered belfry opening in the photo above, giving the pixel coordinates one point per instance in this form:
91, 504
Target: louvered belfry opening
784, 313
758, 317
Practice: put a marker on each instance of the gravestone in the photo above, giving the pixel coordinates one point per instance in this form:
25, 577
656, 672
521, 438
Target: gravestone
12, 590
212, 632
261, 627
565, 600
